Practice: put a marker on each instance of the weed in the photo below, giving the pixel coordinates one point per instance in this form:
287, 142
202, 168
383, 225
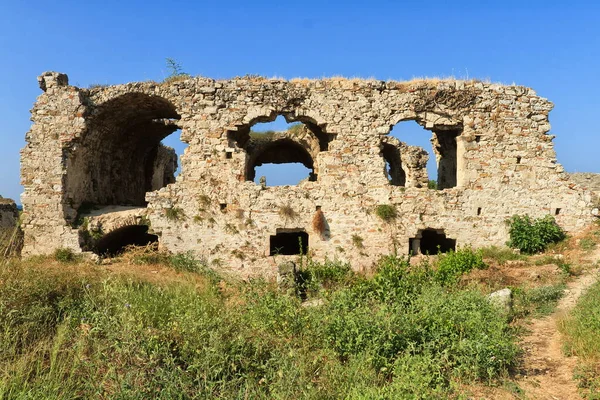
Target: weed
501, 254
386, 212
357, 241
536, 302
174, 214
587, 244
65, 255
231, 229
287, 212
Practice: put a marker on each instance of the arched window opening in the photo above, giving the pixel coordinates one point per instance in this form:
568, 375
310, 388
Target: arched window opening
116, 242
438, 147
431, 241
265, 126
281, 151
288, 242
121, 157
282, 162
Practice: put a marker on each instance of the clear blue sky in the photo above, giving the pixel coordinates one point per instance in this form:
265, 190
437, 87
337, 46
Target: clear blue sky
552, 46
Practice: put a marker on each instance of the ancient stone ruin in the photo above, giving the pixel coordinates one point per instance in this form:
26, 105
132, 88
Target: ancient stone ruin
9, 214
97, 178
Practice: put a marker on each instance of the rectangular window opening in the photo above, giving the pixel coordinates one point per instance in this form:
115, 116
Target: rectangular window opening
288, 243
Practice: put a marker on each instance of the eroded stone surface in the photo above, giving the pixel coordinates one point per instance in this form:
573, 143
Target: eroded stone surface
9, 214
98, 146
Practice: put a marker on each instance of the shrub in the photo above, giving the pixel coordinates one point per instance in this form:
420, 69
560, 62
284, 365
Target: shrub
327, 274
455, 263
431, 184
386, 212
533, 235
65, 255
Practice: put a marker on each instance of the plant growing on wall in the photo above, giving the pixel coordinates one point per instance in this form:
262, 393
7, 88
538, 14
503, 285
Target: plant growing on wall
176, 71
386, 212
287, 212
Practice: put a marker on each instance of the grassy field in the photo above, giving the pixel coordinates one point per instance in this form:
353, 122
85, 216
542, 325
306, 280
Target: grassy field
153, 325
75, 330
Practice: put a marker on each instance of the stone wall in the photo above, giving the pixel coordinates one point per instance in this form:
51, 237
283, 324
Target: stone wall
9, 214
491, 143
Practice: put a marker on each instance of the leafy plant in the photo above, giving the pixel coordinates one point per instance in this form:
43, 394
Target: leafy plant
456, 263
65, 255
386, 212
431, 184
533, 235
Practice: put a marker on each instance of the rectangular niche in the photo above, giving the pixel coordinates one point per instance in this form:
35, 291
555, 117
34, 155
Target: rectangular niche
288, 242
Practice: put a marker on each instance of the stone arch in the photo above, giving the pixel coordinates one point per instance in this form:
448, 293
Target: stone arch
279, 151
240, 136
445, 144
119, 157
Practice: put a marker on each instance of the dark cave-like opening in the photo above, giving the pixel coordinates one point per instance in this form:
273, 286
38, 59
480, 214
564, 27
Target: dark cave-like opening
288, 243
117, 241
431, 241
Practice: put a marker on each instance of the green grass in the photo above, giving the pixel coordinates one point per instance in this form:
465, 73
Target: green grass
582, 338
78, 332
501, 254
536, 302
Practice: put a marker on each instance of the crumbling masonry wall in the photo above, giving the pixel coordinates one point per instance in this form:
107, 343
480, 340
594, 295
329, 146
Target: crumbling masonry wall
92, 153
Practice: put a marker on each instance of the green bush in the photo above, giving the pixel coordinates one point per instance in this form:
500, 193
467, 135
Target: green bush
533, 235
65, 255
452, 265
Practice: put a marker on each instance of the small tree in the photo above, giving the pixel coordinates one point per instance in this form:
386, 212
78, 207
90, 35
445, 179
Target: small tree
176, 71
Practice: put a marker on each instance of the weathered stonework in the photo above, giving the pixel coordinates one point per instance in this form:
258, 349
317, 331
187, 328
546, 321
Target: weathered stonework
9, 214
100, 147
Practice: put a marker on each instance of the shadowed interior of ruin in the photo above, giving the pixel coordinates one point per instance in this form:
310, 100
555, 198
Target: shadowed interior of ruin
116, 241
446, 152
394, 171
281, 151
116, 160
288, 243
431, 241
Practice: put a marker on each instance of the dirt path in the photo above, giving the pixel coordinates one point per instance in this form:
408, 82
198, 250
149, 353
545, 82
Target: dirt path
548, 373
